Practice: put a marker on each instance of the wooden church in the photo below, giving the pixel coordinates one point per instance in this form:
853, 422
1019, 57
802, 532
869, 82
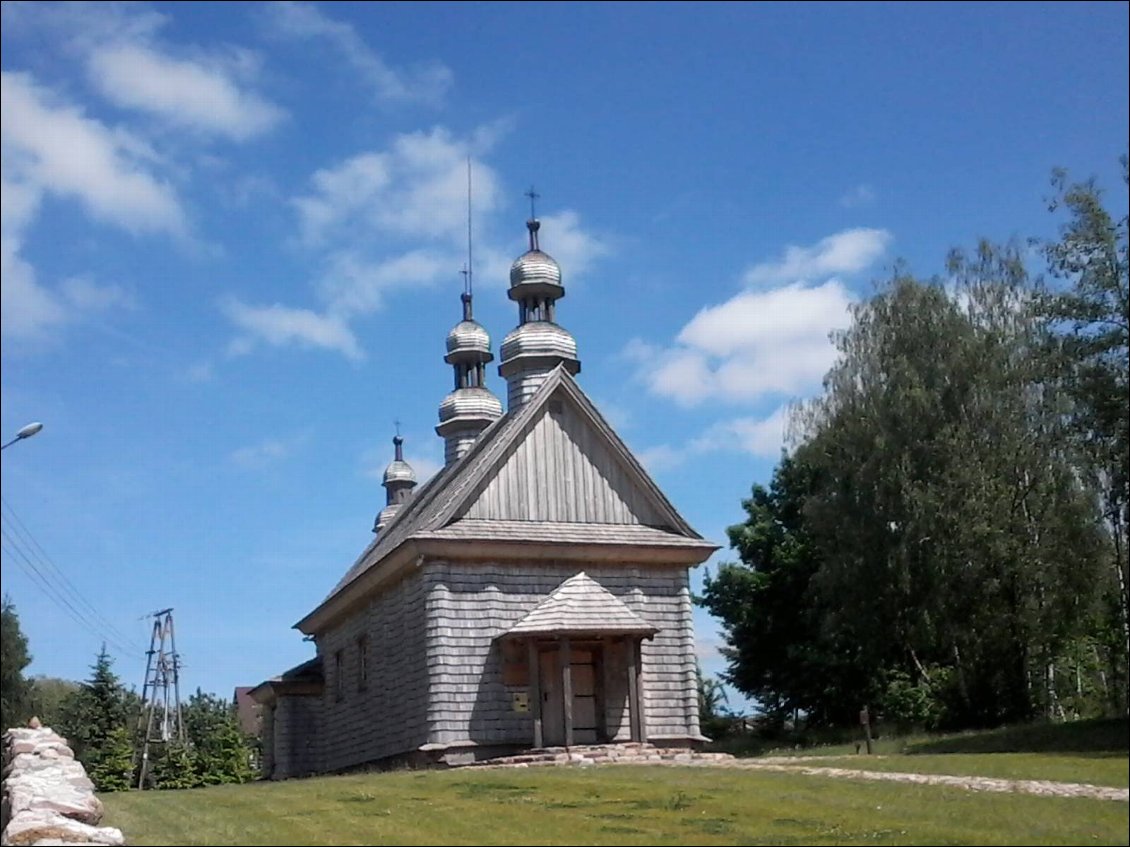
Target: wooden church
534, 593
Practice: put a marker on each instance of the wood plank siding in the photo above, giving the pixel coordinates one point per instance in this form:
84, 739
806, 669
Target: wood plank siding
562, 471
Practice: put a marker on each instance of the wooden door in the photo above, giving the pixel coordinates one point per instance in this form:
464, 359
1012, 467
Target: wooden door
586, 728
585, 670
552, 711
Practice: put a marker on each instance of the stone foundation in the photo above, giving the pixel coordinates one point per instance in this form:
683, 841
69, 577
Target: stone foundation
603, 754
47, 796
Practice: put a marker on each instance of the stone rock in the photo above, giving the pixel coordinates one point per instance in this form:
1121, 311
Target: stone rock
30, 827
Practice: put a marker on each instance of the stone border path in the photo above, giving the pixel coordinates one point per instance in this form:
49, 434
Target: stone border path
645, 754
1041, 787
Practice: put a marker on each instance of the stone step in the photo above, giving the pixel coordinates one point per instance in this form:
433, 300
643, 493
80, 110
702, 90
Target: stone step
600, 754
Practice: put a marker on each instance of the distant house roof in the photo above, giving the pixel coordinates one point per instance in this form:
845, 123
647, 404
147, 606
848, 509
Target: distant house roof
581, 605
306, 678
435, 511
247, 710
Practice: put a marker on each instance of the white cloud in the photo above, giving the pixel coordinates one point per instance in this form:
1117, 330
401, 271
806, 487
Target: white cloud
417, 188
262, 455
57, 149
396, 219
571, 246
199, 95
200, 372
761, 437
767, 341
426, 83
845, 252
857, 197
280, 326
756, 344
352, 285
28, 311
51, 148
86, 296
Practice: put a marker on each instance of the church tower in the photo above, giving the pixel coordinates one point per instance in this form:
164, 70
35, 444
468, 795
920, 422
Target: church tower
537, 345
471, 407
399, 480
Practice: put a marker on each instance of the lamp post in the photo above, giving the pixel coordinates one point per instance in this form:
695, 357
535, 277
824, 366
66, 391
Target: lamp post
27, 432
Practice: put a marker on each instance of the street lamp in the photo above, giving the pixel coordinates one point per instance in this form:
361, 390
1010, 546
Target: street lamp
27, 432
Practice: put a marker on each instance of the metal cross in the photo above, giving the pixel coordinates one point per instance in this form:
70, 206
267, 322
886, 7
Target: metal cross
533, 195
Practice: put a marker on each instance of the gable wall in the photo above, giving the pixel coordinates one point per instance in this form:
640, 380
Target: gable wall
386, 718
563, 471
470, 604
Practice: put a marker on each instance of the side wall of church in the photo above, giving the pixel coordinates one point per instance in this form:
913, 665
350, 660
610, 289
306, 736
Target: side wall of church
376, 679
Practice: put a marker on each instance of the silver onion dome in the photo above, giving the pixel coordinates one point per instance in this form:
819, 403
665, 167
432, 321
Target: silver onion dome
470, 403
399, 471
468, 337
535, 267
386, 515
539, 338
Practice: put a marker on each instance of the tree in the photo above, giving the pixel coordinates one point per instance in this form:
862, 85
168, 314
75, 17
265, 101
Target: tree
15, 692
775, 650
952, 529
1091, 319
711, 695
96, 722
220, 752
47, 697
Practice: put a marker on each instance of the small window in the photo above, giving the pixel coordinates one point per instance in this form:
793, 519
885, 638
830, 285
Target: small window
362, 662
339, 676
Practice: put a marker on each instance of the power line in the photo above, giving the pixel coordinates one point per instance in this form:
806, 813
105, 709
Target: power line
15, 553
64, 584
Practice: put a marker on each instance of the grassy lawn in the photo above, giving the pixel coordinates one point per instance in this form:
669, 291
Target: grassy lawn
606, 805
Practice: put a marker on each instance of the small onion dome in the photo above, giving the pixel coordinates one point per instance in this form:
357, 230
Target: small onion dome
470, 403
399, 471
535, 267
539, 338
468, 337
386, 515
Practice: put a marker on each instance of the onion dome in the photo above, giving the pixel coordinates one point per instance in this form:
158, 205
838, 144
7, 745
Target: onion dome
471, 407
539, 338
470, 403
538, 344
468, 337
399, 480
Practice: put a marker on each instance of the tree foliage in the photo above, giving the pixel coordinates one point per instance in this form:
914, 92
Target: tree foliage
97, 721
947, 539
15, 691
220, 750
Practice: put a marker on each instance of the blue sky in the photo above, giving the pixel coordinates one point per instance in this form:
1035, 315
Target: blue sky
232, 237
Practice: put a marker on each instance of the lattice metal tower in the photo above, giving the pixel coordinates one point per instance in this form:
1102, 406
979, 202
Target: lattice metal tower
160, 719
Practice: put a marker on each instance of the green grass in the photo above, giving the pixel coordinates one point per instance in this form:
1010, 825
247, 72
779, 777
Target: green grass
606, 805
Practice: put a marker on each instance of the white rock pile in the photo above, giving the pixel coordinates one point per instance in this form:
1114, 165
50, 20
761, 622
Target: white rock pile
48, 798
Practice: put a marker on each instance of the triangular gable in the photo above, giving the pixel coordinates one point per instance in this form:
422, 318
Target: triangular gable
580, 605
566, 465
458, 486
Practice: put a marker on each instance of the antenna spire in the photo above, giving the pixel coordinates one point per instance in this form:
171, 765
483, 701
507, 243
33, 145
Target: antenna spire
469, 272
533, 224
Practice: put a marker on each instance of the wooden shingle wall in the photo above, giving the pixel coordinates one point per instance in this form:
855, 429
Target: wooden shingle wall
563, 471
387, 716
470, 605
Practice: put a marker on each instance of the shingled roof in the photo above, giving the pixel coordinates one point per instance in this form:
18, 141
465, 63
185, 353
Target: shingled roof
435, 511
581, 605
